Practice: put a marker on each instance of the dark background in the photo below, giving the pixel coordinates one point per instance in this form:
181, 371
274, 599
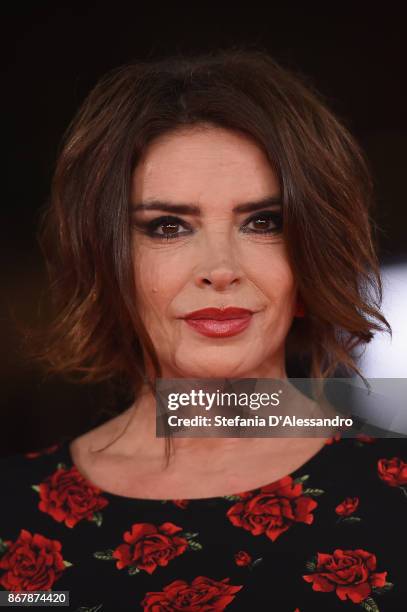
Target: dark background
53, 55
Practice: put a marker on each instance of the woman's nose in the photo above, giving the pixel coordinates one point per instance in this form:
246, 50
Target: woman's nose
220, 278
218, 265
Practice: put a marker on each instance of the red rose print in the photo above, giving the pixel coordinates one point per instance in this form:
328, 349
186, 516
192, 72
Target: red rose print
393, 471
44, 451
202, 595
332, 439
181, 503
67, 496
348, 506
32, 563
242, 558
274, 509
350, 573
148, 546
365, 438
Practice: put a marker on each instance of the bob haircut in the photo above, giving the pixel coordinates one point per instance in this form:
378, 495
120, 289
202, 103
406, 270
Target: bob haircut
96, 333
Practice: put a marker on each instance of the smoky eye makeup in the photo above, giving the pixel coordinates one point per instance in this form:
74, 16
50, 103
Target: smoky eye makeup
264, 223
170, 227
165, 227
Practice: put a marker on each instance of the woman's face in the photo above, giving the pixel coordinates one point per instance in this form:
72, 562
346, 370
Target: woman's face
197, 244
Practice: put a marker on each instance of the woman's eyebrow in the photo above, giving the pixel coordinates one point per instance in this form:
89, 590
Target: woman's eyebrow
193, 209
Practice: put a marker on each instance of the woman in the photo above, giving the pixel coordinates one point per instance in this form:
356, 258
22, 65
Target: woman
215, 182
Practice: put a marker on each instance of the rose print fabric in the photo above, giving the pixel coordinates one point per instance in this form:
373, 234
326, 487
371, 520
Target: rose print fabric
331, 536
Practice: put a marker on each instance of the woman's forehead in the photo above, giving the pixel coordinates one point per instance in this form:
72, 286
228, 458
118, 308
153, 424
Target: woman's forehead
197, 164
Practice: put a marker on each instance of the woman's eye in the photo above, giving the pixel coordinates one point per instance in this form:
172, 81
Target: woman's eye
165, 228
264, 223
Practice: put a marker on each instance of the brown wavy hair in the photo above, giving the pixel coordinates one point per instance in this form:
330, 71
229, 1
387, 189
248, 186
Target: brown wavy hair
327, 196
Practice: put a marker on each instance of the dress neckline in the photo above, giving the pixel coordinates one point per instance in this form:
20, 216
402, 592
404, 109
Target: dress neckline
67, 458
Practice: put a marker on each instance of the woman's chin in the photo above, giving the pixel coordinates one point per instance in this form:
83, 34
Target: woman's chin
214, 369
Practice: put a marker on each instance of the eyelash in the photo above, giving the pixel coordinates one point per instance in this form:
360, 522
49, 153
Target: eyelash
149, 227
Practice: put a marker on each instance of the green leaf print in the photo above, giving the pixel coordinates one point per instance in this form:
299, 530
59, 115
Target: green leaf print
350, 519
386, 587
301, 479
369, 605
104, 555
255, 563
3, 547
311, 564
195, 545
191, 542
313, 492
97, 518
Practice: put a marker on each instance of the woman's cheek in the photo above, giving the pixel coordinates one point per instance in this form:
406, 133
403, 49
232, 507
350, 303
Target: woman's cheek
157, 281
272, 275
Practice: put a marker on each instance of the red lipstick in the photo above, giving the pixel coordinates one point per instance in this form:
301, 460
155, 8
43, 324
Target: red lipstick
217, 323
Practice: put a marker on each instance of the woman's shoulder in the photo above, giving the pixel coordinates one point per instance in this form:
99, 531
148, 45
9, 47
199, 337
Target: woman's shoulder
25, 459
21, 472
367, 460
373, 447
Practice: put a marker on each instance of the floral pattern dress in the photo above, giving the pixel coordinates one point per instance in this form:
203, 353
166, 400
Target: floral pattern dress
330, 536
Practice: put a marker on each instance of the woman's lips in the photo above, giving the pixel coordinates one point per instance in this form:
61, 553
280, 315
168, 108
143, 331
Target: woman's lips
217, 323
216, 328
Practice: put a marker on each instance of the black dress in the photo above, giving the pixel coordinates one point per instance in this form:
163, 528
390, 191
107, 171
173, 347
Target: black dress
331, 536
